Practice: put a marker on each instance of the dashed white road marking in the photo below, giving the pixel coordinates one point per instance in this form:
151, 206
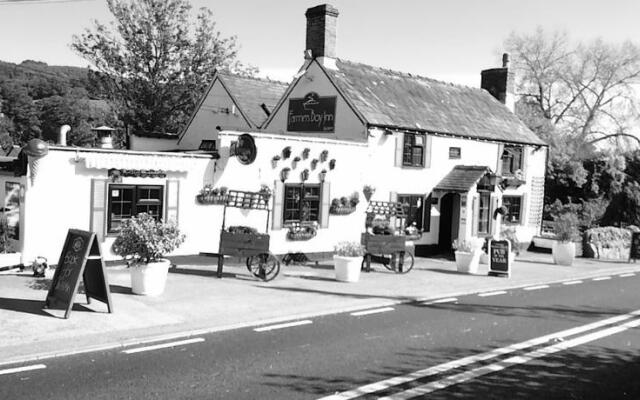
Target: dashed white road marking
282, 326
440, 301
163, 345
537, 287
602, 278
445, 367
374, 311
496, 293
22, 369
509, 362
627, 275
572, 283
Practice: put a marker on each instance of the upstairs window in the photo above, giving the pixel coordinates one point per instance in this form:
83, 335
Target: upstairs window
413, 149
512, 159
301, 203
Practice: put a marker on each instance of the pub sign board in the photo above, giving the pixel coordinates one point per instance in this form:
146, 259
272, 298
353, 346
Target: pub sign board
312, 114
80, 257
499, 251
634, 253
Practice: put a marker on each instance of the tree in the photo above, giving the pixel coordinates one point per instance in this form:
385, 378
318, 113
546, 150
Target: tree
585, 91
79, 113
20, 108
150, 63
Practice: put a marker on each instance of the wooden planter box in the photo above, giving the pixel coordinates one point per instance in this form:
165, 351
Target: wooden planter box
342, 210
298, 236
382, 244
243, 244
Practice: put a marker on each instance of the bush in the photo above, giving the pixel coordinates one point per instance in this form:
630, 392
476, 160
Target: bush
566, 227
462, 245
349, 249
145, 240
609, 237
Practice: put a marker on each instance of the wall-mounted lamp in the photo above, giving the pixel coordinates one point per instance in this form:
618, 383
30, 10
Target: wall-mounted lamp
322, 175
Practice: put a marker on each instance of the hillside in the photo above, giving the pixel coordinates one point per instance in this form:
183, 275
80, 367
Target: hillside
44, 80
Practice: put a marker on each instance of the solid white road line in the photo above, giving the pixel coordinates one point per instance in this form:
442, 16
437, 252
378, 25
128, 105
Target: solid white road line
374, 311
282, 326
509, 362
572, 283
440, 301
627, 275
536, 287
602, 278
21, 369
496, 293
398, 380
163, 345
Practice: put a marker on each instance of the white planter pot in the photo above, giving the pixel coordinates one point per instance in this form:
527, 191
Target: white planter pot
563, 253
149, 279
484, 258
467, 262
347, 268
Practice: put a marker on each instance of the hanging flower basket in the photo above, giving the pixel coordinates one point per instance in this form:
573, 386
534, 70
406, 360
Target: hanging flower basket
298, 232
211, 199
341, 210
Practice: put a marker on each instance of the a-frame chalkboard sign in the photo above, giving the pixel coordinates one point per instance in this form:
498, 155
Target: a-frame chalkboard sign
499, 263
80, 257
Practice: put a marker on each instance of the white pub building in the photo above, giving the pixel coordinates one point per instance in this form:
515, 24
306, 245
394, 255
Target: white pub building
450, 154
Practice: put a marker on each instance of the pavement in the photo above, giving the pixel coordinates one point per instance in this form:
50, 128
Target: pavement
195, 301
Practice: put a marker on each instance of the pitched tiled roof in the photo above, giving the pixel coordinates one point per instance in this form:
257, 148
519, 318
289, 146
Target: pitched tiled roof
394, 99
461, 178
251, 93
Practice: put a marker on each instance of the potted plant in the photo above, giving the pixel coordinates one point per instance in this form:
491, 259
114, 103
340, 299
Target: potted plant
566, 230
467, 257
347, 259
144, 242
368, 191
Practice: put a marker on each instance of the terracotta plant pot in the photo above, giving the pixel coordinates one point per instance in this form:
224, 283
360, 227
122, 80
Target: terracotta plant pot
563, 252
149, 279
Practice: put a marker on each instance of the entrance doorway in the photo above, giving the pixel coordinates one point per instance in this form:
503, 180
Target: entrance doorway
449, 221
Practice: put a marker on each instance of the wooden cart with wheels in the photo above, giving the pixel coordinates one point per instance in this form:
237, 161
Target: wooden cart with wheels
387, 249
246, 242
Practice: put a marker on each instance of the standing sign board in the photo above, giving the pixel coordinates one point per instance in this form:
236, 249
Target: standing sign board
499, 251
634, 252
80, 258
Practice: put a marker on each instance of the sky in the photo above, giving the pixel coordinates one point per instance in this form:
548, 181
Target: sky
450, 40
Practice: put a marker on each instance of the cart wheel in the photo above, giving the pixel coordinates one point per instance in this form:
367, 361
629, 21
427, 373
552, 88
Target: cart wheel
264, 266
407, 263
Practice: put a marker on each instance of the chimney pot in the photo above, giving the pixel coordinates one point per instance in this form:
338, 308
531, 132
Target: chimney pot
505, 60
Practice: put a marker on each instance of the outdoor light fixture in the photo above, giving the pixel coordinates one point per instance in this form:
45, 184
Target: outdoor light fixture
322, 175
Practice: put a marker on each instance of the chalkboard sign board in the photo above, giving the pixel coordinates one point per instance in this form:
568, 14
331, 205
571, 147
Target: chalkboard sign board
634, 253
80, 257
499, 251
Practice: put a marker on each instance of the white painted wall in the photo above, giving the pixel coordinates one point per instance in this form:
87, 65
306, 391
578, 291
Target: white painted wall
346, 178
60, 199
347, 125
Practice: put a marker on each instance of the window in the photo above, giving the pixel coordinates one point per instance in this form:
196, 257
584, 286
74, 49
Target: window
455, 153
514, 205
413, 150
483, 213
413, 206
126, 201
511, 159
301, 203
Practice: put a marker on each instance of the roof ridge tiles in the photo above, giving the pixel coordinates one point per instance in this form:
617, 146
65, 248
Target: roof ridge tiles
407, 74
254, 78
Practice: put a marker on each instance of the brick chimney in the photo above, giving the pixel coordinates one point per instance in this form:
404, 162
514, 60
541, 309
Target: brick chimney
321, 33
500, 83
